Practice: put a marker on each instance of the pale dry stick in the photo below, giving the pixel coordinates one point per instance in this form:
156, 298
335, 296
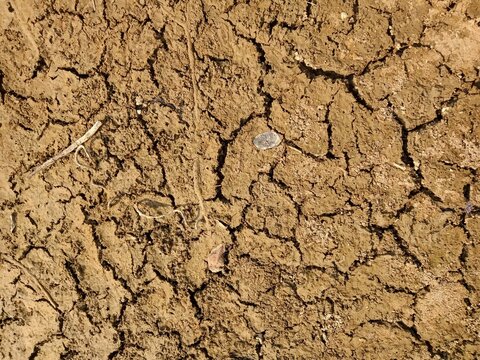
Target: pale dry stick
22, 267
202, 214
196, 174
69, 149
13, 221
294, 149
398, 166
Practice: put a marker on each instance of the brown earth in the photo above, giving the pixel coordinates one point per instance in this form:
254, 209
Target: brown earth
357, 237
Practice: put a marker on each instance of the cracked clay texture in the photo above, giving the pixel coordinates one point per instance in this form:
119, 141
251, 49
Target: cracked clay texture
358, 237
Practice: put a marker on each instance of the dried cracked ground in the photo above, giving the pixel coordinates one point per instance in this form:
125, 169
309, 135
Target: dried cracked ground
357, 237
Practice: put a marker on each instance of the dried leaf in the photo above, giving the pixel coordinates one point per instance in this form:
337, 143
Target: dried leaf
216, 259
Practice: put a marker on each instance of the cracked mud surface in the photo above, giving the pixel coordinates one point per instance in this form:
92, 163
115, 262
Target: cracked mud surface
357, 236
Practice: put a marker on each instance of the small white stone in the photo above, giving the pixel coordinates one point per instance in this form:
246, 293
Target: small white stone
267, 140
343, 15
297, 56
416, 164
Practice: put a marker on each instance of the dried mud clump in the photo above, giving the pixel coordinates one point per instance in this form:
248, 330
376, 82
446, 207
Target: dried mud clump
271, 180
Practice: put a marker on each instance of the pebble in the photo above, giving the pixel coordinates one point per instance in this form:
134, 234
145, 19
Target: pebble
267, 140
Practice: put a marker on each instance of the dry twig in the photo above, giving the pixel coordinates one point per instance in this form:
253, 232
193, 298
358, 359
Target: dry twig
69, 149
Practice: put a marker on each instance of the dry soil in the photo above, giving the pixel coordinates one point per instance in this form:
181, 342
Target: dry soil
357, 238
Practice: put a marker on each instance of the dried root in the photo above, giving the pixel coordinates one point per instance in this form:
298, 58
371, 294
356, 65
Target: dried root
202, 213
157, 217
81, 147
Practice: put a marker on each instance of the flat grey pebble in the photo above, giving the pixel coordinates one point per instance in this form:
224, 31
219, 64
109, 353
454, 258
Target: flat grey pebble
267, 140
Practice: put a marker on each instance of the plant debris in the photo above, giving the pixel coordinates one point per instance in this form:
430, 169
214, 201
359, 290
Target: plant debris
216, 259
69, 149
161, 210
13, 222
